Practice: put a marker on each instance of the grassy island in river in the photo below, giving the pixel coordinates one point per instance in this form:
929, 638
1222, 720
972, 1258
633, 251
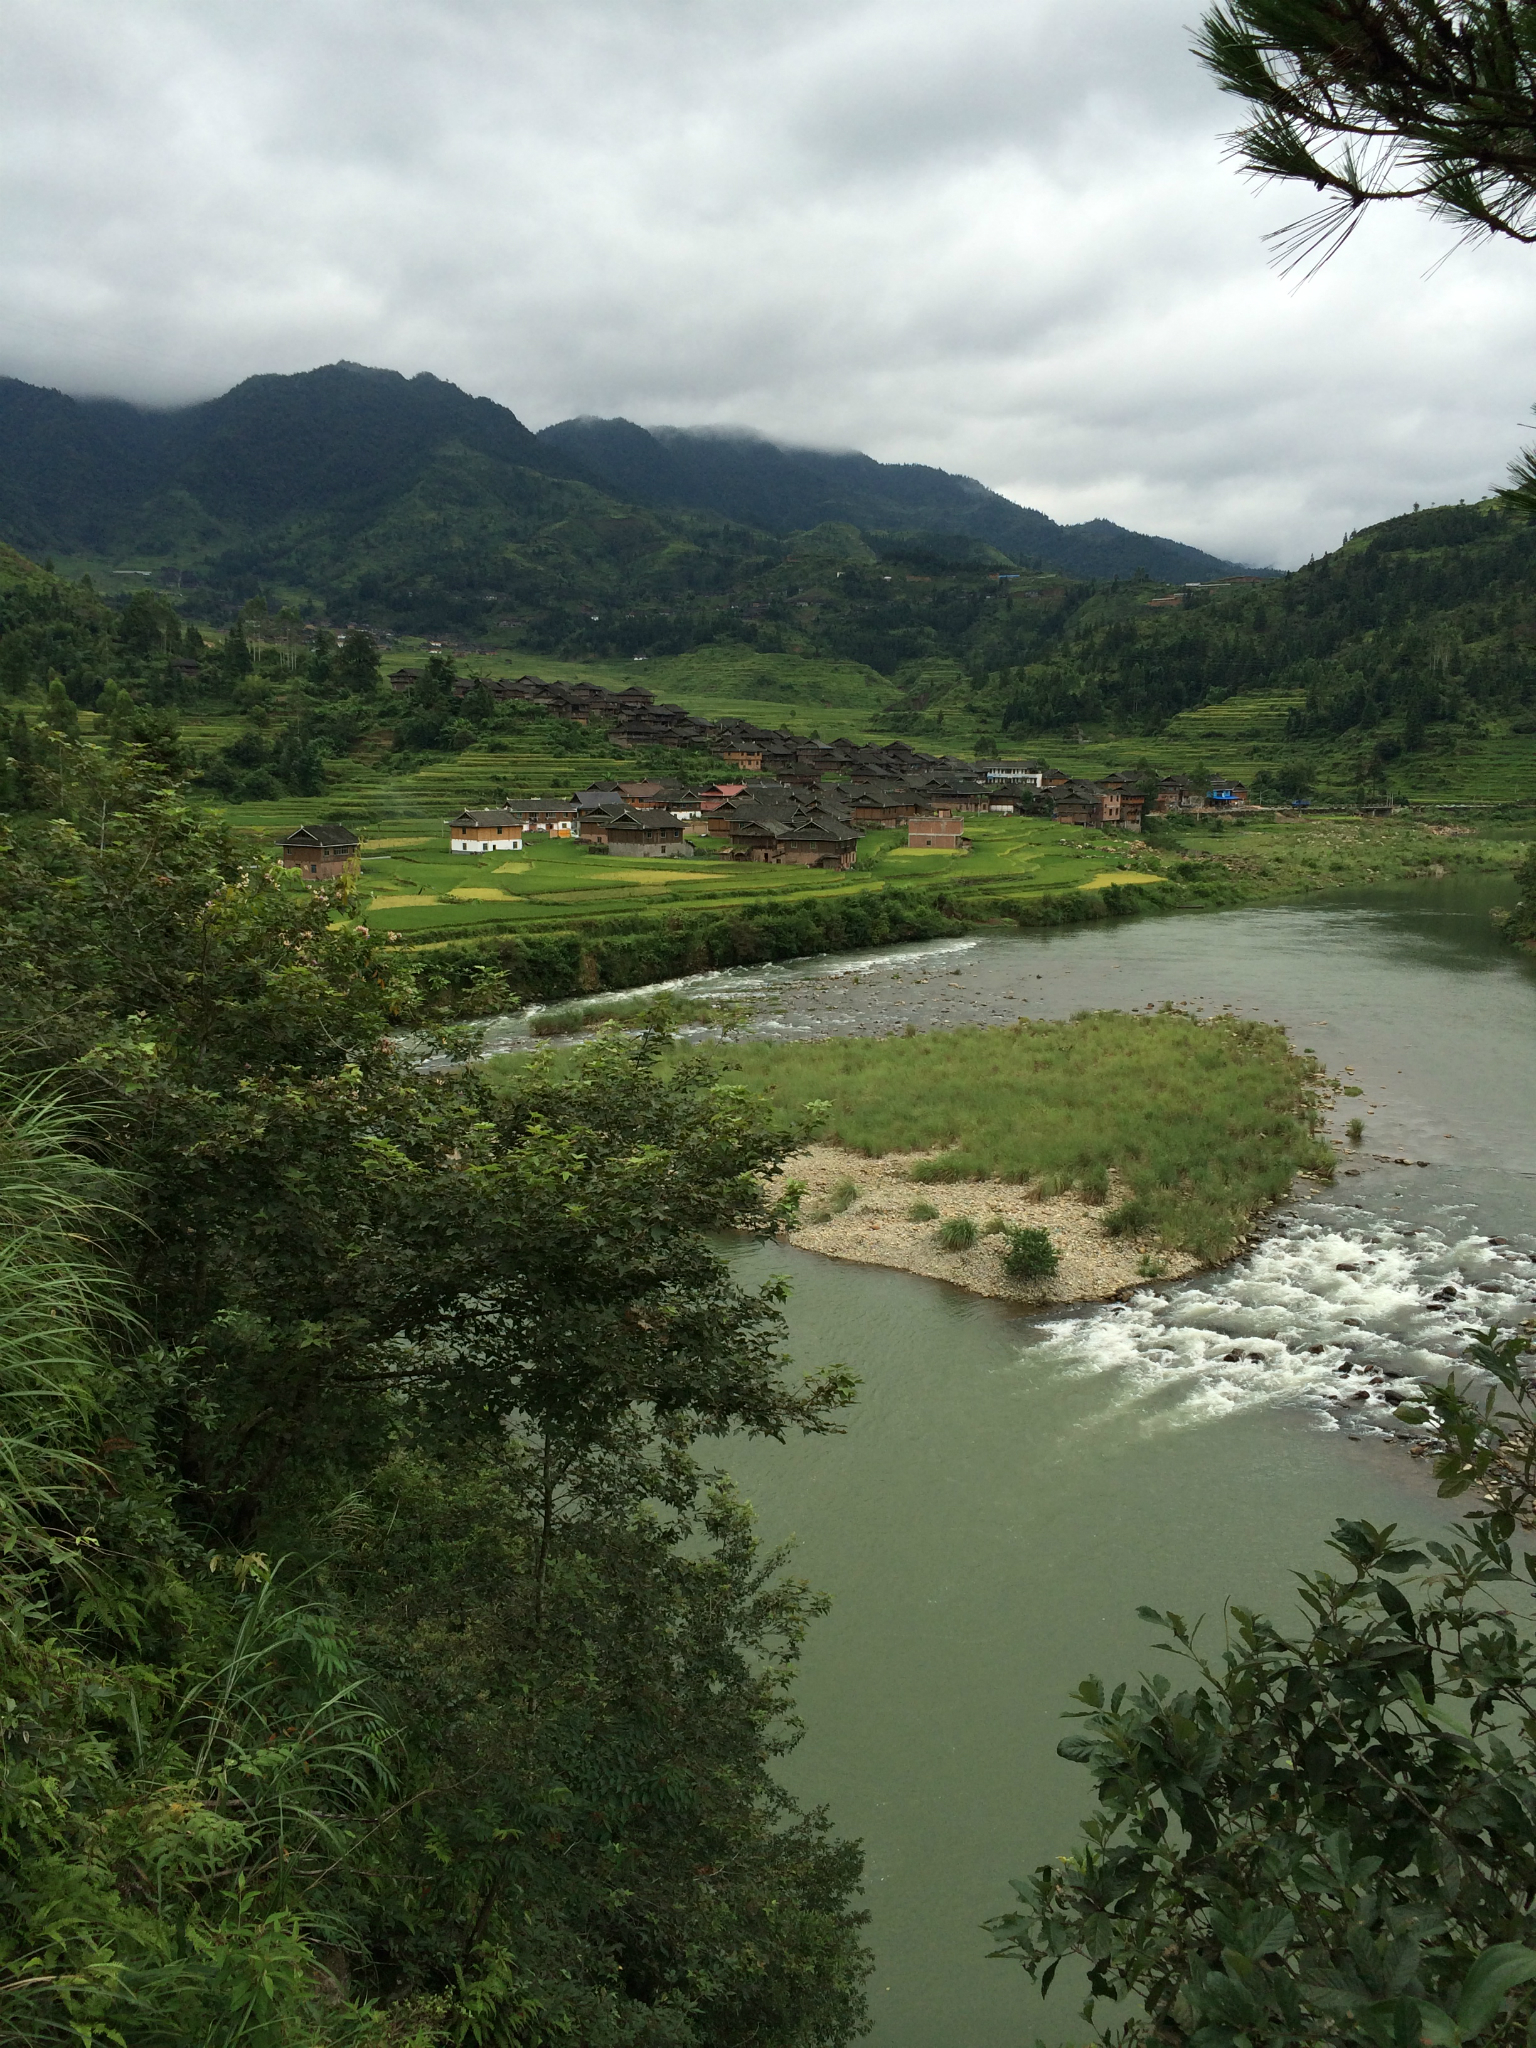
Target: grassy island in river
1195, 1127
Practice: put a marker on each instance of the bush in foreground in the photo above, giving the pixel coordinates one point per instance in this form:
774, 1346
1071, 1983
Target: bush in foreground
1327, 1836
491, 1757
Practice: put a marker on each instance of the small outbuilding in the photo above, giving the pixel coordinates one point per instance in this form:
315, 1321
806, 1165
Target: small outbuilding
321, 853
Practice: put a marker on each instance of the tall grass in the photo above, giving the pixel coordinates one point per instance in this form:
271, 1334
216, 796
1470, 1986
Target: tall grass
1205, 1124
57, 1295
190, 1764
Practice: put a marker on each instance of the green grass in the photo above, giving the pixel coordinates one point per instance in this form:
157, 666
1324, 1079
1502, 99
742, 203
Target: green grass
1204, 1124
556, 883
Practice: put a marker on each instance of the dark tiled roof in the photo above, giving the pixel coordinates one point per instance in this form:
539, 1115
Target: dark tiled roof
488, 820
328, 835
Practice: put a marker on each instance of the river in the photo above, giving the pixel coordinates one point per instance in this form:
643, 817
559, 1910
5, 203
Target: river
1011, 1487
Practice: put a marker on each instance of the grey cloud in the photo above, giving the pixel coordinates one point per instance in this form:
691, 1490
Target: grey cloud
999, 237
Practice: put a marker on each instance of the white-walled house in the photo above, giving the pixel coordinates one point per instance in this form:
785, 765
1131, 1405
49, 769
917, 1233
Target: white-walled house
485, 832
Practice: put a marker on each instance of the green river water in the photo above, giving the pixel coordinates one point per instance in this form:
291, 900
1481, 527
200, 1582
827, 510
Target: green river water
1011, 1488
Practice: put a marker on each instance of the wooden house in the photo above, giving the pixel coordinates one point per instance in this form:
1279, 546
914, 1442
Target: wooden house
556, 817
494, 831
320, 852
888, 805
939, 835
645, 833
807, 839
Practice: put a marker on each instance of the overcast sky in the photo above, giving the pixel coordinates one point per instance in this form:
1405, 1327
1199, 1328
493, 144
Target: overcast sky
994, 235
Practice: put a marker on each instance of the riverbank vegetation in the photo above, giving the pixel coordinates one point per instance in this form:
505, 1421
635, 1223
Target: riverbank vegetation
567, 926
563, 1019
383, 1660
1520, 925
1203, 1125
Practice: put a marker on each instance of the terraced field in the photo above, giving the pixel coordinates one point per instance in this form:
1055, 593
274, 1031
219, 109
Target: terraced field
417, 888
1242, 736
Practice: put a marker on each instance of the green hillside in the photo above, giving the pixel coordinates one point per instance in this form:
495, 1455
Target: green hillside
1405, 662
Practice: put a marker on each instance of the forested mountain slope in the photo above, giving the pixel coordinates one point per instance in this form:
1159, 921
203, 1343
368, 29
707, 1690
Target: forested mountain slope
361, 493
1434, 610
1380, 663
786, 490
335, 443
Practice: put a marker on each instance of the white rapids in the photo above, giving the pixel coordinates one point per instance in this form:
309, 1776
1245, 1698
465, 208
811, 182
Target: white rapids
1338, 1317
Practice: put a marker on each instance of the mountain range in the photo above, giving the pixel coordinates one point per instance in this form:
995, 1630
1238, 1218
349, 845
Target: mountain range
783, 490
358, 486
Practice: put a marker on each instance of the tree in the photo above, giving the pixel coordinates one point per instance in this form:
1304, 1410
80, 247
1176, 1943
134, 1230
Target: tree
322, 657
19, 777
61, 713
357, 671
297, 761
148, 625
1329, 1835
15, 665
235, 659
449, 1350
182, 1886
1522, 919
1371, 100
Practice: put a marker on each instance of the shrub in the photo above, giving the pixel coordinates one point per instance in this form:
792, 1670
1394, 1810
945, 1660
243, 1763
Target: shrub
921, 1212
992, 1226
1129, 1219
956, 1234
1030, 1255
1356, 1129
843, 1196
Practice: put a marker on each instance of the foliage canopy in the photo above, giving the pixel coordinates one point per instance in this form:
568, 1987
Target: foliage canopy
386, 1657
1372, 100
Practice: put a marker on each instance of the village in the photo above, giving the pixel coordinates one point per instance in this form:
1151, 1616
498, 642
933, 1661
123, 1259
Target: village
807, 803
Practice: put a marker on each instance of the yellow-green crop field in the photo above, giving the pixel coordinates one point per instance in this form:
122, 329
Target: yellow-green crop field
414, 887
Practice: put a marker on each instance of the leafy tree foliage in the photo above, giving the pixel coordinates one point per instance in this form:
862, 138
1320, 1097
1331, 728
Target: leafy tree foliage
488, 1754
1427, 100
1522, 922
356, 670
1329, 1835
188, 1754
